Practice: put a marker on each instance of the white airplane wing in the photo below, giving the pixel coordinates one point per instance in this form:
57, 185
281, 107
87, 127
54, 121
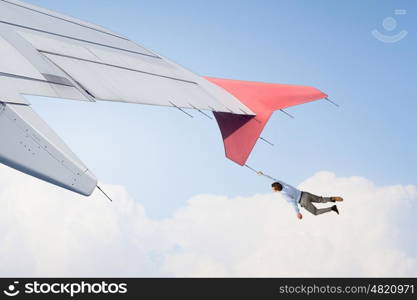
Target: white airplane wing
49, 54
94, 63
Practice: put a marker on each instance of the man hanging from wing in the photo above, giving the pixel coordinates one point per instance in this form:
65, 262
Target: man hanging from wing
296, 197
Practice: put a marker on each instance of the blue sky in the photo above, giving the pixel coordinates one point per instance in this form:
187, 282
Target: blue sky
163, 157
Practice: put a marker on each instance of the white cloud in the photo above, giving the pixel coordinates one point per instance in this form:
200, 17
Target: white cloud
46, 231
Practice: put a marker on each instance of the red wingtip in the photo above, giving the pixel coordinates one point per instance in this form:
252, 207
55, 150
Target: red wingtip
241, 132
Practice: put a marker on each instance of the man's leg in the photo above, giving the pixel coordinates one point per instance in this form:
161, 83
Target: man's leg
319, 199
306, 202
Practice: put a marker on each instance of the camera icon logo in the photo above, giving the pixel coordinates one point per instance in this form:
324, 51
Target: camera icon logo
11, 290
390, 24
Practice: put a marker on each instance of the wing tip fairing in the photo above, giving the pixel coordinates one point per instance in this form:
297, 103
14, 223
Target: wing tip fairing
240, 133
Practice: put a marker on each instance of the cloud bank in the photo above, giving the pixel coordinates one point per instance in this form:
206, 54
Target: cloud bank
46, 231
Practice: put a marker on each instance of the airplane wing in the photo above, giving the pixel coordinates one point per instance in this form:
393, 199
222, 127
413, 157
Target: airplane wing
99, 64
53, 55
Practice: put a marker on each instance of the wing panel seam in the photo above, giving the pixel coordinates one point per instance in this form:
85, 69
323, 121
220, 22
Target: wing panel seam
115, 66
32, 79
69, 21
77, 39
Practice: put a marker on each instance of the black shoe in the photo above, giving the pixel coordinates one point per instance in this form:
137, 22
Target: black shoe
334, 208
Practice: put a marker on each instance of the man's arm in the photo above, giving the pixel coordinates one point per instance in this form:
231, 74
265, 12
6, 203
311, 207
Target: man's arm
294, 204
297, 210
266, 175
274, 179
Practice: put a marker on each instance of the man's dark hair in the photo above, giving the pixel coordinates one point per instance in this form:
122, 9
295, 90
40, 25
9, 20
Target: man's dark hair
277, 185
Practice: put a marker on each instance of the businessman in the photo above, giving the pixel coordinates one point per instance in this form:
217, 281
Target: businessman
305, 199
